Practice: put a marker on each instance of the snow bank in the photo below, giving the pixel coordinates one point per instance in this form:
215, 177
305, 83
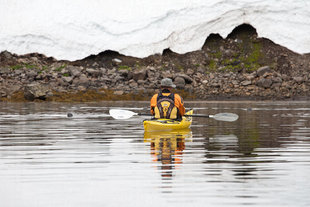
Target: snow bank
74, 29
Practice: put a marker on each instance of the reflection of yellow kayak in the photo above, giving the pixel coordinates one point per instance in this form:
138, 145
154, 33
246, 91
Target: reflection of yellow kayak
183, 133
168, 124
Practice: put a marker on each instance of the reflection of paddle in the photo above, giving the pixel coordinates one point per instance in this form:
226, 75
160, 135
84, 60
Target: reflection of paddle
126, 114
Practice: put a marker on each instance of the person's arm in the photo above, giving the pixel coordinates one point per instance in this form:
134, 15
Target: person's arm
153, 103
179, 104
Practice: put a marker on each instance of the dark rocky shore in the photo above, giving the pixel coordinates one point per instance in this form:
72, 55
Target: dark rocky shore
242, 66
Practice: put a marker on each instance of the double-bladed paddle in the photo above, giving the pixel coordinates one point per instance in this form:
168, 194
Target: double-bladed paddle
126, 114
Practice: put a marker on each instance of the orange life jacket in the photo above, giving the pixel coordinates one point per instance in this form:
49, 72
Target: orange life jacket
165, 107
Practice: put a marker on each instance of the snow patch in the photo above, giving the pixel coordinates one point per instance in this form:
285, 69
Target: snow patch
75, 29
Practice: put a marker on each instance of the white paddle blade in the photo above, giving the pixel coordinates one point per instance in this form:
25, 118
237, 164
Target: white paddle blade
121, 114
225, 117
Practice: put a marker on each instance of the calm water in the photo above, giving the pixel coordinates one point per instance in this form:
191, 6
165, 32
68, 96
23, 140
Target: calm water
91, 160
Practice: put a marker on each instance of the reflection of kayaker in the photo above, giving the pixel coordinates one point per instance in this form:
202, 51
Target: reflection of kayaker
166, 104
167, 148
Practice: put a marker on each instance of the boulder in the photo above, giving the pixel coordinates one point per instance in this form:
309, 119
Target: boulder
246, 83
264, 83
93, 72
118, 93
124, 73
139, 75
73, 71
81, 80
5, 71
36, 91
187, 79
262, 70
179, 82
298, 80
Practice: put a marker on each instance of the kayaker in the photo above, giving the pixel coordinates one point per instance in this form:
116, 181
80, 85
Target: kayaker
166, 104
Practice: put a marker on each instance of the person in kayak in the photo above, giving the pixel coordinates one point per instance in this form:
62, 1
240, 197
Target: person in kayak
166, 104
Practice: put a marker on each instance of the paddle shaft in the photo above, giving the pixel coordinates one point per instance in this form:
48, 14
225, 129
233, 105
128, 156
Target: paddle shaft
126, 114
193, 115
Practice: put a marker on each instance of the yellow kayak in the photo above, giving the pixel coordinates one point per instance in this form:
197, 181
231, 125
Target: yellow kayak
168, 124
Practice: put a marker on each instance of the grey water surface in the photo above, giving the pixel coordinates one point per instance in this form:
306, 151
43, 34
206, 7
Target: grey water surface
91, 160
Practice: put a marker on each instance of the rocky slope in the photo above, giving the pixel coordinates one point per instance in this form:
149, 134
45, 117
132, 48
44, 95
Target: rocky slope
240, 66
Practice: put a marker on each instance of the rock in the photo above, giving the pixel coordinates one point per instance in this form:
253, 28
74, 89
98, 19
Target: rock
189, 88
36, 91
133, 84
179, 82
190, 72
93, 72
205, 82
83, 79
74, 71
5, 71
246, 83
141, 82
276, 85
3, 92
250, 77
31, 74
67, 79
118, 93
7, 54
187, 78
299, 80
14, 88
262, 70
201, 70
81, 88
276, 80
264, 83
124, 73
139, 75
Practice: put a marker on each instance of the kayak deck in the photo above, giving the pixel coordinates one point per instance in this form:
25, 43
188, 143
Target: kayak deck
168, 124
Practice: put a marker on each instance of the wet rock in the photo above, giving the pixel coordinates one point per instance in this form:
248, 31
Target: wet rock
118, 93
36, 91
81, 88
